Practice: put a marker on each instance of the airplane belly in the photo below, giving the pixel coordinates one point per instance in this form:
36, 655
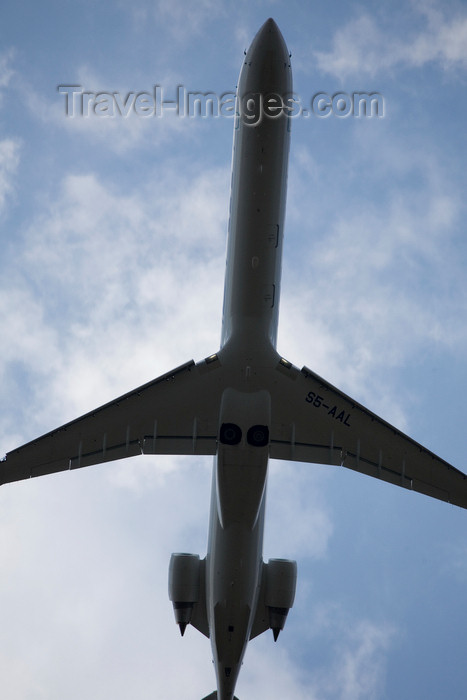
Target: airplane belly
250, 315
257, 204
233, 583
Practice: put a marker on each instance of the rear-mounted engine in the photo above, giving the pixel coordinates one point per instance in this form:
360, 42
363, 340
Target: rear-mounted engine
281, 581
184, 586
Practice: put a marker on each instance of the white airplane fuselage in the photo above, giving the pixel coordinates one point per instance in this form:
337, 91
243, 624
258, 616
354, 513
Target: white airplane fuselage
251, 301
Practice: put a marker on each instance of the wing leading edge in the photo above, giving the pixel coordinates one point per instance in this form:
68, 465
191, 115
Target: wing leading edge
313, 421
176, 413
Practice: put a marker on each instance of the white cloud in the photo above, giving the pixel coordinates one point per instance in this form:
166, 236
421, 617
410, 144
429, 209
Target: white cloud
179, 18
357, 48
122, 127
6, 71
358, 671
444, 40
366, 46
354, 668
101, 296
303, 485
182, 17
9, 162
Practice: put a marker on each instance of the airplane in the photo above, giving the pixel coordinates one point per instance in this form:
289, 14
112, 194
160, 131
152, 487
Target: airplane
244, 404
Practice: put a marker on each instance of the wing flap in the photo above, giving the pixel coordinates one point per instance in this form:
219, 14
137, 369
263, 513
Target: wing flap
305, 452
179, 445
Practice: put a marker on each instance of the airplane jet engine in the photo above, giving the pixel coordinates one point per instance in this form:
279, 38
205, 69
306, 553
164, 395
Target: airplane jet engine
281, 581
184, 586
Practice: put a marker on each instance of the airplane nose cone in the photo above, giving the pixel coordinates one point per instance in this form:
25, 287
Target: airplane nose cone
268, 39
266, 67
270, 32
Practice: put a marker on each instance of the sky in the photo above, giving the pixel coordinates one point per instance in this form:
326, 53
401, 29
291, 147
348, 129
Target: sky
113, 235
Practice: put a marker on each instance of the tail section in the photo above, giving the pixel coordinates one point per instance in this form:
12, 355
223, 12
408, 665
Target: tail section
213, 696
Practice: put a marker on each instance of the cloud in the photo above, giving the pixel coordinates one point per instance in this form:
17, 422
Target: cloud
313, 523
119, 130
360, 659
354, 667
9, 163
444, 40
182, 17
366, 46
101, 294
6, 71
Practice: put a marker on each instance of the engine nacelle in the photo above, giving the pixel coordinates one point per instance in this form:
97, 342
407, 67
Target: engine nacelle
184, 586
281, 581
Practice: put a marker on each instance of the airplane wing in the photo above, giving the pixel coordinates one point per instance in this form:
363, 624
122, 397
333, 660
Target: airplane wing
177, 413
174, 414
312, 421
